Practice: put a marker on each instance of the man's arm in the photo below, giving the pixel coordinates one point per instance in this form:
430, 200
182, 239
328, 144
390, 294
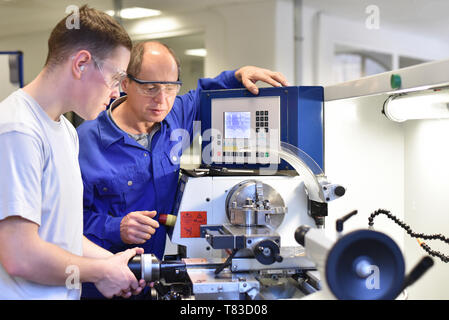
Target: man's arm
24, 254
91, 250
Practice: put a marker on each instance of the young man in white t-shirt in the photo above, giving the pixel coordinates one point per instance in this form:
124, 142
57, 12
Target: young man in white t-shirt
43, 253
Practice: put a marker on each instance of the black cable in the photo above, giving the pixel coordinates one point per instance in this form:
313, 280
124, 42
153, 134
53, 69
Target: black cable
227, 263
409, 231
434, 253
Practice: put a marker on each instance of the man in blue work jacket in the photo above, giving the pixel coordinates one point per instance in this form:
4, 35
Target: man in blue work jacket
129, 173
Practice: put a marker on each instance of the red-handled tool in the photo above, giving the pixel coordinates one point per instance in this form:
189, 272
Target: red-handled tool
167, 219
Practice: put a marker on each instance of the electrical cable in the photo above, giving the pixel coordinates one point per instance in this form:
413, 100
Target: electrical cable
409, 231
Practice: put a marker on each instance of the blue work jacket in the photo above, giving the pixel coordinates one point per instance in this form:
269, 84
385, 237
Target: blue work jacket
121, 176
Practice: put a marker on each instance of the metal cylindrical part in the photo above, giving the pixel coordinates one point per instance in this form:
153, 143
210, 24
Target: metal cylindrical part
135, 265
150, 267
254, 203
300, 234
145, 266
173, 271
246, 217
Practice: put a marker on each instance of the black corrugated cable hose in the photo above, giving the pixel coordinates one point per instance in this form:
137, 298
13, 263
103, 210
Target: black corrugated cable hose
409, 231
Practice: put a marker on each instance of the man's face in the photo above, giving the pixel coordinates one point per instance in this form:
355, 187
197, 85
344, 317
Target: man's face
152, 102
102, 82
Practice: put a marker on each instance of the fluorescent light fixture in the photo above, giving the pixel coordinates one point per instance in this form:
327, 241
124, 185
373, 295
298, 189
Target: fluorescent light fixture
135, 13
196, 52
429, 104
154, 26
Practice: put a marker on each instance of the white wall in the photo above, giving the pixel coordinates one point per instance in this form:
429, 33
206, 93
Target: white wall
256, 33
34, 48
323, 32
364, 152
259, 34
6, 87
426, 200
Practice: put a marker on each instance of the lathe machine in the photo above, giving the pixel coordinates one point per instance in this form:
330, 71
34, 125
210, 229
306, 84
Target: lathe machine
250, 220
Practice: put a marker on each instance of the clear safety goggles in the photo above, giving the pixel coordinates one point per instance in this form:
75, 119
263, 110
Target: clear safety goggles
117, 75
153, 88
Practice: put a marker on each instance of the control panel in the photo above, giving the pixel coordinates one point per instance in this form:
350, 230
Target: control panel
247, 130
242, 130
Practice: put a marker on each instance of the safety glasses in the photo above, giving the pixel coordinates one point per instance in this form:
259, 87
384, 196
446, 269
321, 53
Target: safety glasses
117, 75
153, 88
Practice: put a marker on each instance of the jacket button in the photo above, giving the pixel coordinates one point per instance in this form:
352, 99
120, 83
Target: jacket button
105, 189
174, 158
130, 183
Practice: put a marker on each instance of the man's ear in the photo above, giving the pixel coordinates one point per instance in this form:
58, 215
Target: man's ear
124, 85
79, 62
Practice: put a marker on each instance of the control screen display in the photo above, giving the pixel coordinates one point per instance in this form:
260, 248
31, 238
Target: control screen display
237, 125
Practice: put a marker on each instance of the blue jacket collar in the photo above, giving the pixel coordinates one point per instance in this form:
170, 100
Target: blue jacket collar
110, 133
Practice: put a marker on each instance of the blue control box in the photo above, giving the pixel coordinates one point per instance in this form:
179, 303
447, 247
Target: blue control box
293, 115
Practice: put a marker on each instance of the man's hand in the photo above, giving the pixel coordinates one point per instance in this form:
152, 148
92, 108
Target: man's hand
117, 279
249, 75
137, 227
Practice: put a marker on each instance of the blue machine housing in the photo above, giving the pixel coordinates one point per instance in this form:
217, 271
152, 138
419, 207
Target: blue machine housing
302, 118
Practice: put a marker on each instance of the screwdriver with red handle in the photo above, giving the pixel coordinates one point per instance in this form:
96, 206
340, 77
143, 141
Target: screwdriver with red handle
168, 220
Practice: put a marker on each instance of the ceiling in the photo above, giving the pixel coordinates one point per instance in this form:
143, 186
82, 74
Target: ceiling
427, 17
26, 16
182, 43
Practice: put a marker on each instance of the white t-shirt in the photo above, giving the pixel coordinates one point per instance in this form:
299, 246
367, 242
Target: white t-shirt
40, 180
